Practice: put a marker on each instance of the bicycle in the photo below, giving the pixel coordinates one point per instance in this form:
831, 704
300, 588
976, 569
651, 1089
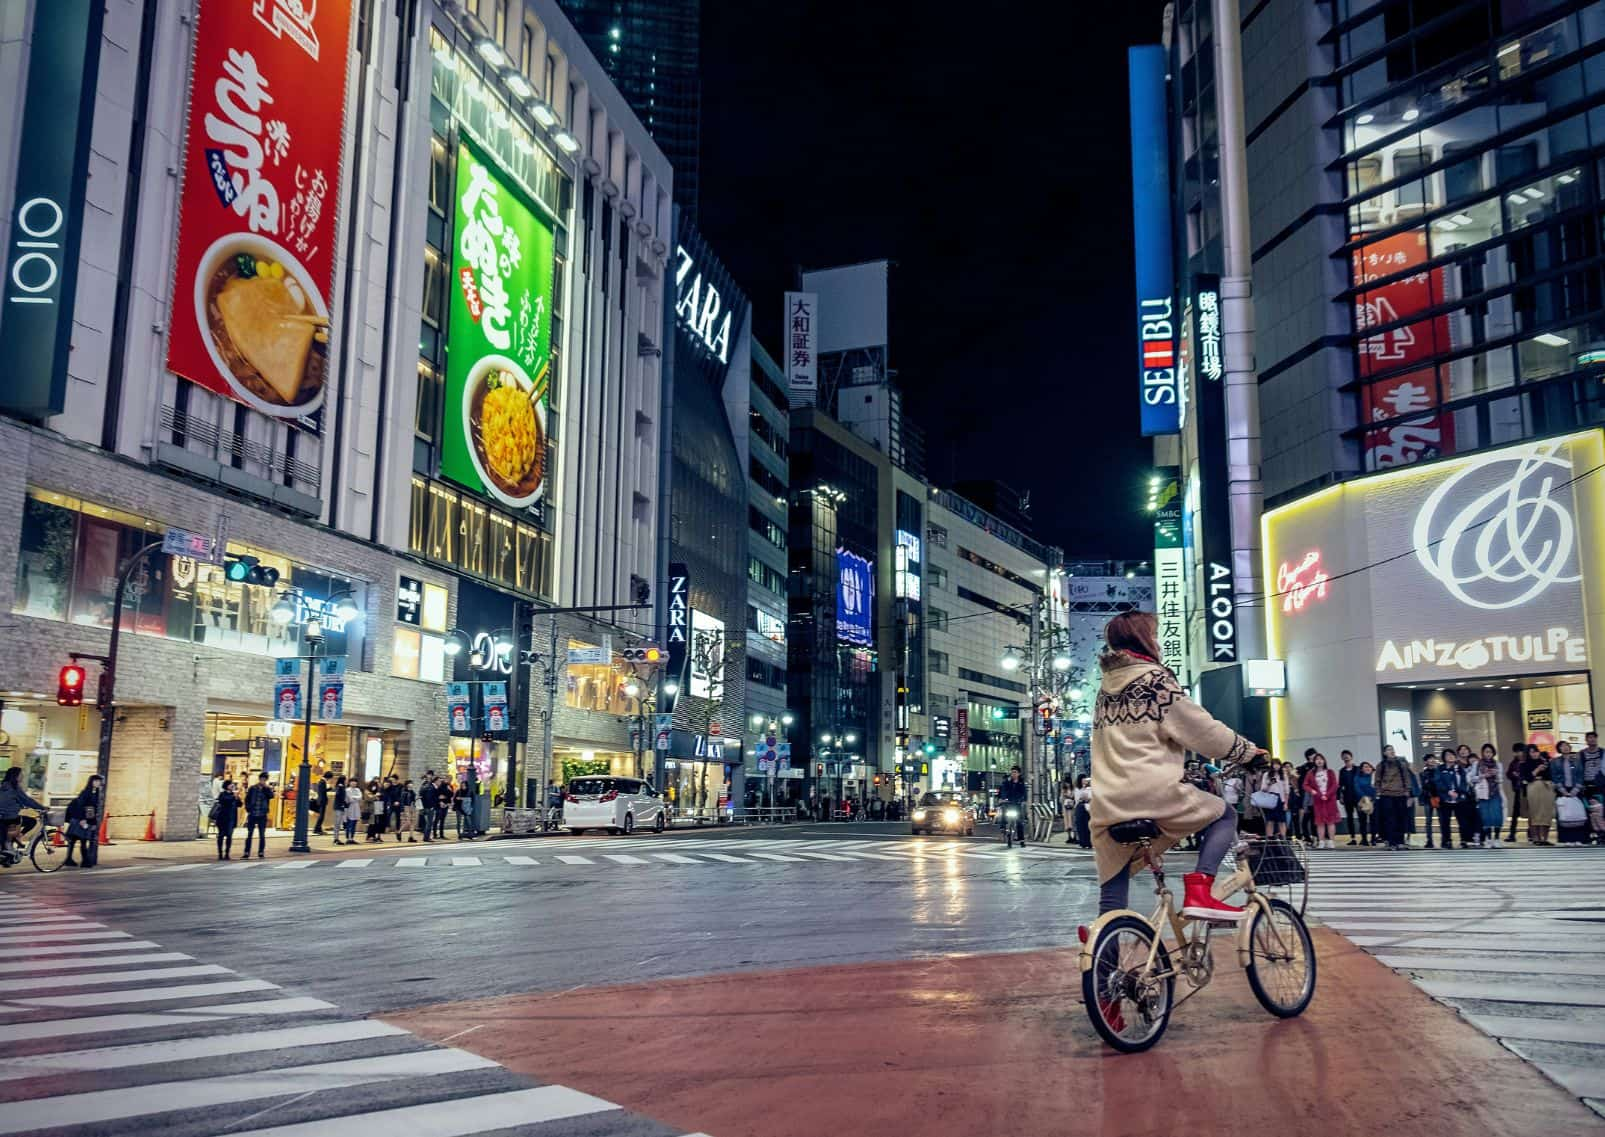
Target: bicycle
1013, 830
47, 848
1128, 978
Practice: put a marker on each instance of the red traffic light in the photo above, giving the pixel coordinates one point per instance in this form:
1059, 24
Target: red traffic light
70, 686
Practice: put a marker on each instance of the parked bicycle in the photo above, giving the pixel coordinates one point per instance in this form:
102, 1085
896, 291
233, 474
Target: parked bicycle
1129, 971
47, 848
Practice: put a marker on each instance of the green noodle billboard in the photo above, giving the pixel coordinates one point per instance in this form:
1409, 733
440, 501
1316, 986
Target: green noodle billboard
498, 343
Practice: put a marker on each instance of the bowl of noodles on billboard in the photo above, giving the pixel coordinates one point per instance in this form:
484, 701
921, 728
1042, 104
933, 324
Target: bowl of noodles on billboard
264, 324
505, 423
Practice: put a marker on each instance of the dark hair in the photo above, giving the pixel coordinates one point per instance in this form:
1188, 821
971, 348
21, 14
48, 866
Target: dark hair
12, 774
1345, 754
1487, 746
1135, 633
262, 777
1309, 752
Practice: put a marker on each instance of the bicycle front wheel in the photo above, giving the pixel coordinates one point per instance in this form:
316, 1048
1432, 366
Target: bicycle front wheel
1128, 1007
49, 852
1281, 960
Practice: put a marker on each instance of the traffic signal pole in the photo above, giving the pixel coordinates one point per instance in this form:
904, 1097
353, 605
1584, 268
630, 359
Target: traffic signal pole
106, 695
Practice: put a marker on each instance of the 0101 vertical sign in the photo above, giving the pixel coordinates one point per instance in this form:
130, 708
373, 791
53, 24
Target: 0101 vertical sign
1150, 200
47, 215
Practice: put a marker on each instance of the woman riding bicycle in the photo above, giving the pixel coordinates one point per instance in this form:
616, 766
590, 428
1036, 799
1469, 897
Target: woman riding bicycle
1143, 724
13, 800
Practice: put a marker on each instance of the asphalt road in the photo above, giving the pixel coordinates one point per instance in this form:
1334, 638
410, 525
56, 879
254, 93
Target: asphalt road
382, 936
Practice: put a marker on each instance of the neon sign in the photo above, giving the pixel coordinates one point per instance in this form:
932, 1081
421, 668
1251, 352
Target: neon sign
1552, 645
700, 307
1302, 582
1497, 548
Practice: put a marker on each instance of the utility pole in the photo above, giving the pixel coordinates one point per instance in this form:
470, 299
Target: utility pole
546, 726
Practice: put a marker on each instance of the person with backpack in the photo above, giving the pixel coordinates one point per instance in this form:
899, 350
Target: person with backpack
257, 799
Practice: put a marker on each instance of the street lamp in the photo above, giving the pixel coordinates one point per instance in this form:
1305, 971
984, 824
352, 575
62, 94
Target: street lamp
1011, 659
294, 606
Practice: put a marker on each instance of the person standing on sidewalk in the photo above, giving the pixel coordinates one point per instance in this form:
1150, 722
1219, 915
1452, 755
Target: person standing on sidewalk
1520, 775
1593, 759
1540, 806
1394, 781
225, 812
353, 813
428, 803
1346, 795
320, 803
257, 800
83, 822
1488, 792
395, 802
1365, 801
1321, 791
341, 800
409, 813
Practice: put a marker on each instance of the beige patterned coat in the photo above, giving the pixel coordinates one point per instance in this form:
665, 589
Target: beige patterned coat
1143, 725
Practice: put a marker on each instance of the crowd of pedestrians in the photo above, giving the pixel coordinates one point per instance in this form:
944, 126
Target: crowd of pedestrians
396, 805
1455, 798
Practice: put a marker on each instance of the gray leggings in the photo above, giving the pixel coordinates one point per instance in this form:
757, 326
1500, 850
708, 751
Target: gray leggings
1214, 841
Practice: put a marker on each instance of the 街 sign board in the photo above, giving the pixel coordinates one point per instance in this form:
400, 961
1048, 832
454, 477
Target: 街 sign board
258, 225
498, 341
41, 262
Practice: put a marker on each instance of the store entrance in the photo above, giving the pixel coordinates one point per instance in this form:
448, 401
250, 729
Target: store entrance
1541, 710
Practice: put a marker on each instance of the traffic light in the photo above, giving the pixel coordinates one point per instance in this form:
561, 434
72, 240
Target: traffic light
70, 686
1045, 719
998, 712
819, 771
250, 570
930, 748
643, 592
646, 653
877, 779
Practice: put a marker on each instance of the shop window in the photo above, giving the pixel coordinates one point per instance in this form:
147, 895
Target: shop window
595, 682
45, 559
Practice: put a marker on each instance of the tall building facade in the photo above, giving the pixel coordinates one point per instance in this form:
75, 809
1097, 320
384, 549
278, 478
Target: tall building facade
392, 350
652, 50
1424, 199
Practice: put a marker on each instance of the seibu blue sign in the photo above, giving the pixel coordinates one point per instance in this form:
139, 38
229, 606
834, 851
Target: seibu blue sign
1150, 201
855, 599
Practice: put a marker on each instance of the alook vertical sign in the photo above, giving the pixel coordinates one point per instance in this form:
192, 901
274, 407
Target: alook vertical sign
1159, 384
47, 213
1215, 530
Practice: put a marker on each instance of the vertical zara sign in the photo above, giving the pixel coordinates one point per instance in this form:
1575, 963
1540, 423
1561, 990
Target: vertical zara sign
47, 219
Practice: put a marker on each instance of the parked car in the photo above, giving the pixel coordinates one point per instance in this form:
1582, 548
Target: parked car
942, 813
619, 805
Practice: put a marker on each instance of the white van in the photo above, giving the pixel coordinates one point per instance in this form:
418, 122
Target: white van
620, 805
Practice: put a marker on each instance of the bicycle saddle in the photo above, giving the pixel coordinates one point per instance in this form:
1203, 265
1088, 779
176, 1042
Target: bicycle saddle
1131, 832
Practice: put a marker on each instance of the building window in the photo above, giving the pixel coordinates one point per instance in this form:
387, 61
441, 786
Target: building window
937, 535
766, 528
938, 662
764, 576
938, 620
936, 576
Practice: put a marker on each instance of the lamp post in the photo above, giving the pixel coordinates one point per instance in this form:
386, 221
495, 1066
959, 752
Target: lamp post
311, 613
770, 724
1052, 678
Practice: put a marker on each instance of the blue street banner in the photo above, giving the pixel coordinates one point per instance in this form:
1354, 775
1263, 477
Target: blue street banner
331, 688
496, 708
287, 689
1159, 383
855, 599
457, 704
664, 730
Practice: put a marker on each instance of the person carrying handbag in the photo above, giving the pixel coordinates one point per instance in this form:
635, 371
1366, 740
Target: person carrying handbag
83, 823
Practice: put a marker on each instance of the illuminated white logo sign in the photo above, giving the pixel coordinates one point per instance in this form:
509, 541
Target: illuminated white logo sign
700, 307
1209, 360
1553, 645
1157, 334
1299, 583
1498, 548
291, 18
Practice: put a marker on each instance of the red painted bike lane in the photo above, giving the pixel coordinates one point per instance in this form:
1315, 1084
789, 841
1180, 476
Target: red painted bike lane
979, 1043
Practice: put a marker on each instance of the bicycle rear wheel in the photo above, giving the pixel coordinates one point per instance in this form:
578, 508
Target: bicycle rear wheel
1281, 960
49, 852
1129, 1012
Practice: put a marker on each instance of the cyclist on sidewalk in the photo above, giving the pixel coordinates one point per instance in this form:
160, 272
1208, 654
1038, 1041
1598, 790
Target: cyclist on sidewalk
1143, 724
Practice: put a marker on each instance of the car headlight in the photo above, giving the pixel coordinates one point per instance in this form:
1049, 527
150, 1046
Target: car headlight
919, 815
950, 816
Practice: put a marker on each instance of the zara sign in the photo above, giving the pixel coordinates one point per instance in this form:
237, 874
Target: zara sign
699, 306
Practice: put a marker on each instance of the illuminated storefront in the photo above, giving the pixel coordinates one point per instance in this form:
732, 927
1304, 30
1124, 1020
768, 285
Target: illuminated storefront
1450, 602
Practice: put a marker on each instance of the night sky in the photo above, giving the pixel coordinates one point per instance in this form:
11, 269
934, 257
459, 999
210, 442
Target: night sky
992, 167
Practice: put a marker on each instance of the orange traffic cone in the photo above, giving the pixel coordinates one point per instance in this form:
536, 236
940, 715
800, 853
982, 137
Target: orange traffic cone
103, 838
150, 828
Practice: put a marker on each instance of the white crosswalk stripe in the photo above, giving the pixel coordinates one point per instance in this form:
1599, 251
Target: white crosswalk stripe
1508, 937
195, 1054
